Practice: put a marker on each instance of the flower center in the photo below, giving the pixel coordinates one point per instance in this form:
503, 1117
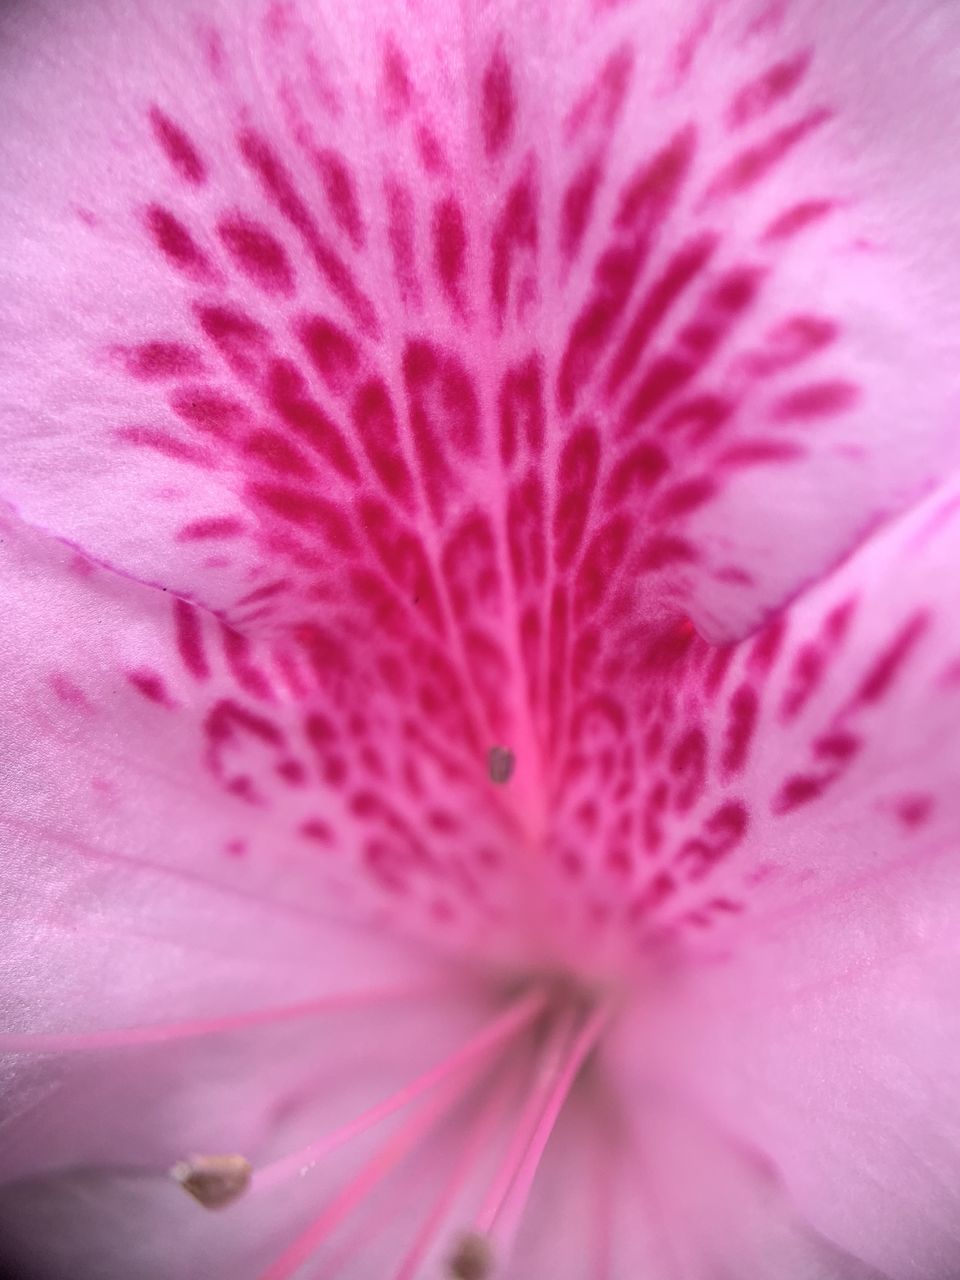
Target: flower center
501, 1092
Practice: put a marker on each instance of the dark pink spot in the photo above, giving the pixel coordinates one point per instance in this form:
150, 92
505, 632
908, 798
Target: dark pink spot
515, 235
660, 889
291, 400
914, 810
698, 417
499, 106
685, 497
401, 552
400, 232
805, 676
719, 665
210, 527
818, 400
151, 686
341, 196
797, 218
754, 163
881, 676
210, 411
242, 341
156, 360
601, 103
579, 466
839, 746
169, 446
649, 195
721, 834
309, 510
681, 269
238, 652
449, 248
471, 568
764, 92
395, 88
69, 693
723, 306
376, 424
614, 278
278, 454
660, 553
334, 353
257, 252
742, 711
525, 532
635, 473
688, 764
431, 152
602, 559
521, 408
754, 453
444, 410
578, 201
798, 790
279, 188
180, 151
317, 830
790, 342
766, 648
177, 244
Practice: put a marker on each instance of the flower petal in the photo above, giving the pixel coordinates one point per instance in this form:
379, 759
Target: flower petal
837, 1058
741, 787
533, 290
164, 862
803, 810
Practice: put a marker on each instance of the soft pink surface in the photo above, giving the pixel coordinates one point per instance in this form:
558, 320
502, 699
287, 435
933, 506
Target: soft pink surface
381, 383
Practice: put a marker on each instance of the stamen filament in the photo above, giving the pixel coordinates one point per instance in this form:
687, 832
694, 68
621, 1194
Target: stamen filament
30, 1042
481, 1131
362, 1184
550, 1063
510, 1213
514, 1018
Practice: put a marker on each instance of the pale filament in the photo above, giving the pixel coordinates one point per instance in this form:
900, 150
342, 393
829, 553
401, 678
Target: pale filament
506, 1025
549, 1063
159, 1033
480, 1136
399, 1145
511, 1211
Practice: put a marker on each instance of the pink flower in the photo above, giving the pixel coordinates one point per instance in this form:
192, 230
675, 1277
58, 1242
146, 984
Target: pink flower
417, 416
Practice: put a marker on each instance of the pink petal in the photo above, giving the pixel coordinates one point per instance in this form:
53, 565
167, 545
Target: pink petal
654, 307
819, 1028
142, 889
733, 786
832, 1050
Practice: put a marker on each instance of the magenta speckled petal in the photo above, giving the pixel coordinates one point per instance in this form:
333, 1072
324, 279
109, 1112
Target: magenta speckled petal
399, 403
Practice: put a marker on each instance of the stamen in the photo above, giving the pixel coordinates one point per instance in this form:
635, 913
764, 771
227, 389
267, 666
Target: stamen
375, 1170
607, 1159
518, 1015
127, 1037
508, 1218
214, 1181
479, 1137
472, 1259
548, 1067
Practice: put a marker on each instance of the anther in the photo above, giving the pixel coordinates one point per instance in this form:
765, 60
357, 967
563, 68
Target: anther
472, 1259
213, 1181
500, 764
